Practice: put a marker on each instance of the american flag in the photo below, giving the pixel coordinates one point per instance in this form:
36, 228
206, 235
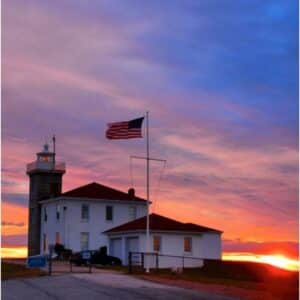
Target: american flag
125, 130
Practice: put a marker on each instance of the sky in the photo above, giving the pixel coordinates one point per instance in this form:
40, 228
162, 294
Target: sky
220, 82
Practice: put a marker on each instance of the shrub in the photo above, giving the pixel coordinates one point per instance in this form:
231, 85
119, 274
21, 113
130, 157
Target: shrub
62, 252
58, 249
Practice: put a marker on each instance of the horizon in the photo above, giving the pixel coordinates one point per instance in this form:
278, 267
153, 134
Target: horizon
221, 85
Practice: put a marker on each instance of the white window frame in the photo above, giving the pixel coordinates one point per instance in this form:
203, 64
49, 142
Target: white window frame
87, 234
45, 242
153, 243
132, 213
86, 219
57, 212
45, 215
190, 243
112, 213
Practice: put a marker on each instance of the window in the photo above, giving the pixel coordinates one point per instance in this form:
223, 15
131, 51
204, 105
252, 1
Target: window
187, 244
44, 158
57, 238
156, 243
57, 212
132, 213
85, 212
45, 215
84, 241
45, 242
109, 213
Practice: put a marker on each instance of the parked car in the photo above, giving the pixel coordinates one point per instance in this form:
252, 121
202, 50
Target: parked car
105, 260
94, 257
82, 257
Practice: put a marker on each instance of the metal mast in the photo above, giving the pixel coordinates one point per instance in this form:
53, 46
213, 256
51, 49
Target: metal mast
148, 193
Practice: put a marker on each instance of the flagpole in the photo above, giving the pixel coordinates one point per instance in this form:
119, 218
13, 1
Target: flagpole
54, 151
148, 194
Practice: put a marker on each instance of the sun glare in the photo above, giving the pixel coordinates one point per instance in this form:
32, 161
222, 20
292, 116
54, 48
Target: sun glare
276, 260
17, 252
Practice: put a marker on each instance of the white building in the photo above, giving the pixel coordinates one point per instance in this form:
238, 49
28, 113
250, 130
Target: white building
77, 218
169, 238
95, 215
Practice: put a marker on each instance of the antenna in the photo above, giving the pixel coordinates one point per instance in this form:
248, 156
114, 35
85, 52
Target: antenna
53, 140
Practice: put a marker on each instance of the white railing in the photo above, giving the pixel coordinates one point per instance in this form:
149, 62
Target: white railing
39, 165
162, 261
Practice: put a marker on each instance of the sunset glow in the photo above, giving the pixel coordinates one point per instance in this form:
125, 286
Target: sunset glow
13, 252
274, 260
223, 107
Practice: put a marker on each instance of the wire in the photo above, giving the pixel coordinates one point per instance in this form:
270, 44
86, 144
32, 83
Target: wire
156, 192
130, 171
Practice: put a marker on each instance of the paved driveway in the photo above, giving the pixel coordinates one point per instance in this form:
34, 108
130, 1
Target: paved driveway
104, 286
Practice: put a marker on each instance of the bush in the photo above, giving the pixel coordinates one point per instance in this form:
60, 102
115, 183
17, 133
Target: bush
62, 252
66, 254
58, 249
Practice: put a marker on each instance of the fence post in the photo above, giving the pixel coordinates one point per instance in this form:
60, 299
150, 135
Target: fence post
130, 262
50, 264
90, 267
156, 261
143, 261
71, 270
50, 248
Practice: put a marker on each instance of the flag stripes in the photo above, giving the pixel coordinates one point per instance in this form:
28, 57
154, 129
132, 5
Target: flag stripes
125, 130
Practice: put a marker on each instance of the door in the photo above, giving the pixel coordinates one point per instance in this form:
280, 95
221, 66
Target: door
115, 247
132, 245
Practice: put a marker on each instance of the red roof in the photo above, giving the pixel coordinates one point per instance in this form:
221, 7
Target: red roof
161, 223
98, 191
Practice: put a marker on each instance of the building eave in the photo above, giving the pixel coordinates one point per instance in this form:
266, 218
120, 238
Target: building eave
143, 231
100, 200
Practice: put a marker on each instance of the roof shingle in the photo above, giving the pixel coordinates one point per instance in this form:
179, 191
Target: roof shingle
98, 191
161, 223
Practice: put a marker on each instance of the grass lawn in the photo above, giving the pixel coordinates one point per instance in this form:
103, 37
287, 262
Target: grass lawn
122, 269
11, 271
253, 276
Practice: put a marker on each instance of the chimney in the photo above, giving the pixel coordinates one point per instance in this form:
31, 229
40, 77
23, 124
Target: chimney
131, 193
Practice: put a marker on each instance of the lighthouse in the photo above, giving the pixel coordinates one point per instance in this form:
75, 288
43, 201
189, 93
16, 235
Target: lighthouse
45, 181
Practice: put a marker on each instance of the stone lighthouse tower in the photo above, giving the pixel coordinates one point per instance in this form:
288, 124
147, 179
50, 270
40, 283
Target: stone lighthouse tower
45, 176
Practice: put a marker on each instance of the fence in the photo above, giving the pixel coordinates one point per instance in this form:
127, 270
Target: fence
57, 266
67, 266
161, 261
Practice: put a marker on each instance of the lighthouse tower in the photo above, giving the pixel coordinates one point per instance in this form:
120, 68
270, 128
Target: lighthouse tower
45, 176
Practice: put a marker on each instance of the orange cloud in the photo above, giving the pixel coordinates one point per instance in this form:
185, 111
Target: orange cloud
13, 214
275, 260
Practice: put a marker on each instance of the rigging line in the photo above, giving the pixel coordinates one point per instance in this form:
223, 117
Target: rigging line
130, 171
158, 185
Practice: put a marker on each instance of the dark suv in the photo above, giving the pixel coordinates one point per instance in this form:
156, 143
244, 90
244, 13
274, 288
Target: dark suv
94, 257
82, 257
